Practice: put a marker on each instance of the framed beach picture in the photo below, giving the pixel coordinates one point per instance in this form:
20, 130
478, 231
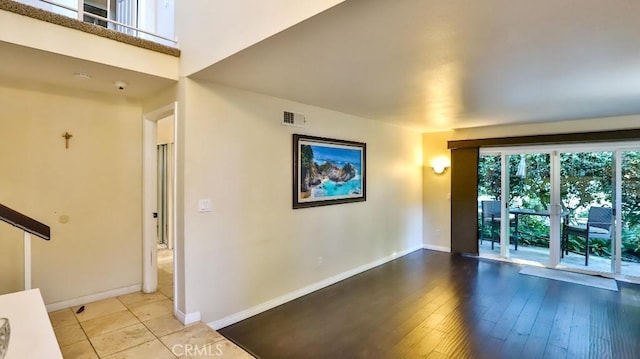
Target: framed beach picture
328, 171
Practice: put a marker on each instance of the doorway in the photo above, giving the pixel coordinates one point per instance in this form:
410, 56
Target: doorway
159, 202
587, 196
520, 182
164, 254
573, 207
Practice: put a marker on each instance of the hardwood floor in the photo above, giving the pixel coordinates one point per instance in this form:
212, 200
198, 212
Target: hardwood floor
436, 305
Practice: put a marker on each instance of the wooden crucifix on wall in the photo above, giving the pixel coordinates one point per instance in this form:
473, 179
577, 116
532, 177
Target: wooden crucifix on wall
67, 136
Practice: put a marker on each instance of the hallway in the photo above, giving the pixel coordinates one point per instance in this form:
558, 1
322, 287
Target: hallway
138, 325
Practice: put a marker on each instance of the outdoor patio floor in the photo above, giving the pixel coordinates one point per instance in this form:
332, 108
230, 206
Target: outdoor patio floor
572, 260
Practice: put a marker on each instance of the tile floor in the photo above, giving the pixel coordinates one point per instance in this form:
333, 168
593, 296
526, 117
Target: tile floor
165, 272
138, 325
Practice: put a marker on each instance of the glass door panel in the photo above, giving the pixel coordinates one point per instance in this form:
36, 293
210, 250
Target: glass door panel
529, 184
489, 197
630, 191
586, 189
574, 209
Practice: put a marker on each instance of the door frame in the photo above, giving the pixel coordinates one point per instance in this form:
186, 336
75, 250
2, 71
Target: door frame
554, 200
554, 150
149, 198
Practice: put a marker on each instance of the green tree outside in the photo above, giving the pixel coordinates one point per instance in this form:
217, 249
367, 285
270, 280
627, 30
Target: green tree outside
586, 179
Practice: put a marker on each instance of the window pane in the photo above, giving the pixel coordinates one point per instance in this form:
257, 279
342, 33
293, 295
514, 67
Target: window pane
630, 240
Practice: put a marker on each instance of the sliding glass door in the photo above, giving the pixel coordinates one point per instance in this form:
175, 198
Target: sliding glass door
587, 195
516, 225
563, 206
629, 233
489, 204
575, 207
528, 204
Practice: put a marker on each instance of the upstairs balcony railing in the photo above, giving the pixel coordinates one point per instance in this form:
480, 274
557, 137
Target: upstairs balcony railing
125, 16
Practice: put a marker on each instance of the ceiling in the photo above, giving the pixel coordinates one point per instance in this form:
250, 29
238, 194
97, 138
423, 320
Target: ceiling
27, 65
432, 65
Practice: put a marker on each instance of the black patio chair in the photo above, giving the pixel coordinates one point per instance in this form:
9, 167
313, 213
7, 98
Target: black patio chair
599, 225
491, 217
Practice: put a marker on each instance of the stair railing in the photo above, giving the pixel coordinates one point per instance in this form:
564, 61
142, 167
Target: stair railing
30, 227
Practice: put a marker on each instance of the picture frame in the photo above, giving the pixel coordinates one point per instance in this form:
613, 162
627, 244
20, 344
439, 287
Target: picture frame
328, 171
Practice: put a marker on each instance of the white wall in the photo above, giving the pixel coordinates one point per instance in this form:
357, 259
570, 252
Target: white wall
165, 130
253, 247
437, 188
208, 31
437, 212
89, 194
157, 17
165, 18
585, 125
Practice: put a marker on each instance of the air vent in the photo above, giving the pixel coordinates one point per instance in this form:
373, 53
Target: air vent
293, 119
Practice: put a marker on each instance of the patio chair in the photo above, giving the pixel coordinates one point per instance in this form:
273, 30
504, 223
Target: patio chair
598, 225
491, 216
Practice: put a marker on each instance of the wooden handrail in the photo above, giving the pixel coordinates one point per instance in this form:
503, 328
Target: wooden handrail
25, 223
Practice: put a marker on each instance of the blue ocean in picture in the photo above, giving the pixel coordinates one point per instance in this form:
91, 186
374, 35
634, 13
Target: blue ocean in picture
331, 189
338, 158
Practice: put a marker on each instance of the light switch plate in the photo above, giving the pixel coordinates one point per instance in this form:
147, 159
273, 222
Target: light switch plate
204, 205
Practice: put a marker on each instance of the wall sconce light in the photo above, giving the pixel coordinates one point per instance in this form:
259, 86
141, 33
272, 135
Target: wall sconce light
440, 165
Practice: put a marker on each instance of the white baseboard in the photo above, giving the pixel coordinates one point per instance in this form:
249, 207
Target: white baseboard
437, 248
188, 318
52, 307
234, 318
